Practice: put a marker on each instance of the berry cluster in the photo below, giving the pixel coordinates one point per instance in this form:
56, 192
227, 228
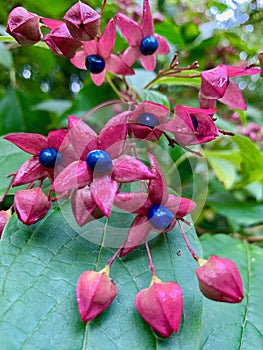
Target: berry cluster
90, 169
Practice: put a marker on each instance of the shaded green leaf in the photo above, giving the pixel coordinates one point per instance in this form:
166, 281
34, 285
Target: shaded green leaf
235, 326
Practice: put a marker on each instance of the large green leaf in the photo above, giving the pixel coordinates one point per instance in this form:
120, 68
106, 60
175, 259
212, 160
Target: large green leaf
235, 326
39, 269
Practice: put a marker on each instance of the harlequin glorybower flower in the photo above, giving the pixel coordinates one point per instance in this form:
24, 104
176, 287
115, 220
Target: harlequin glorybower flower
145, 120
144, 44
192, 126
161, 306
220, 280
216, 85
97, 57
47, 154
156, 210
24, 26
102, 165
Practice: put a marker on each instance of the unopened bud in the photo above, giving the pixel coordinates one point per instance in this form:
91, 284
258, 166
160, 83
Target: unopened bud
82, 21
31, 205
95, 292
161, 306
220, 280
24, 26
61, 42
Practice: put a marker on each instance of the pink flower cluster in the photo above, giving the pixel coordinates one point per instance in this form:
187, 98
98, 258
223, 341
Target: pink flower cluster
90, 168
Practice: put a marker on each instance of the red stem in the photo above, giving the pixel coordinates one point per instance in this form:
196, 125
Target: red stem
194, 255
104, 104
110, 262
151, 266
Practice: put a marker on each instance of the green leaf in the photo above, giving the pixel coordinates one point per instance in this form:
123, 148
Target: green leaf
224, 164
184, 79
252, 160
235, 326
6, 58
140, 79
239, 214
56, 106
11, 158
17, 115
40, 266
154, 96
171, 32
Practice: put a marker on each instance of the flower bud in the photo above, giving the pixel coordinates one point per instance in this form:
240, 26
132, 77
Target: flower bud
161, 306
4, 218
82, 21
95, 292
61, 42
220, 280
24, 26
31, 205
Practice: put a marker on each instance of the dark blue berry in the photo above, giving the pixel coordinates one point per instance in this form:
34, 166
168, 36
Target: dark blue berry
149, 45
160, 217
148, 119
49, 157
95, 64
194, 121
99, 161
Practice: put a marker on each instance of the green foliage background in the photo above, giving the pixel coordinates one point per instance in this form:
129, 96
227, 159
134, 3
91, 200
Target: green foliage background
40, 264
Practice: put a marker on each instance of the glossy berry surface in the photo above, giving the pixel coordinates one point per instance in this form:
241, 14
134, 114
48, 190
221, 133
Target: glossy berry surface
99, 161
149, 45
194, 121
49, 157
95, 64
148, 119
160, 217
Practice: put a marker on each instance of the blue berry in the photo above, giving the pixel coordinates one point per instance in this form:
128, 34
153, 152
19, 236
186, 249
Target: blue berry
95, 64
49, 157
160, 217
99, 161
149, 45
148, 119
194, 121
